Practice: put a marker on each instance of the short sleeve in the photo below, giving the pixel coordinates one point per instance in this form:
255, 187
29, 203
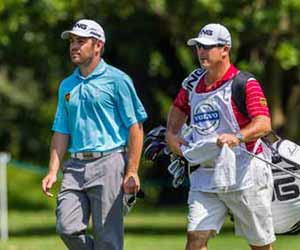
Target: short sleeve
60, 123
182, 101
256, 101
130, 107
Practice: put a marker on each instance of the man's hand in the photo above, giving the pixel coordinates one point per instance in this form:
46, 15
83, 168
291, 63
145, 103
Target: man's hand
131, 183
174, 143
47, 183
59, 144
176, 119
230, 139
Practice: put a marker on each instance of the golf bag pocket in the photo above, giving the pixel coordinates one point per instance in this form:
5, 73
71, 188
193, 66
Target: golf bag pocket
289, 151
262, 174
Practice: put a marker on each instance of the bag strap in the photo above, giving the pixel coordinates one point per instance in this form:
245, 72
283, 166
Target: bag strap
237, 87
239, 91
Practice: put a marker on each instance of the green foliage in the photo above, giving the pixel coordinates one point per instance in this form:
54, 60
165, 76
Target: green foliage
158, 6
287, 55
187, 61
24, 190
164, 102
157, 65
147, 39
215, 6
24, 92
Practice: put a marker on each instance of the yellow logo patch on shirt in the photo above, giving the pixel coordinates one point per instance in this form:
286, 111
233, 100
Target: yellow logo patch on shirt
67, 97
263, 101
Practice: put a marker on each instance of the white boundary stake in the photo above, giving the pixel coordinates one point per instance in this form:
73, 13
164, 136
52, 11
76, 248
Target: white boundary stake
4, 159
271, 163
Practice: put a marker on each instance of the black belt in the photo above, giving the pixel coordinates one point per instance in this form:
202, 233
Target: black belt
194, 168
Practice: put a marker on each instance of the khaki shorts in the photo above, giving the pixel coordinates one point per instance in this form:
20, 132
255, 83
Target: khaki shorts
251, 209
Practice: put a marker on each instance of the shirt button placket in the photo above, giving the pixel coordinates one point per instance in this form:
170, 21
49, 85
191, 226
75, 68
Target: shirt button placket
82, 90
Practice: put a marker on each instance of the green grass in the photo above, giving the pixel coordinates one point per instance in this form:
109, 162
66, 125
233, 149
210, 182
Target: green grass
32, 227
165, 228
157, 228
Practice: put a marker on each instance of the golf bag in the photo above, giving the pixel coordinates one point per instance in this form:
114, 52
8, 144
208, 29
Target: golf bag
156, 150
286, 195
285, 153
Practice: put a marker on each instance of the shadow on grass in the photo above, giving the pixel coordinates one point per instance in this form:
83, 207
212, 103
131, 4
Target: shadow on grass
26, 205
33, 231
130, 229
158, 230
154, 230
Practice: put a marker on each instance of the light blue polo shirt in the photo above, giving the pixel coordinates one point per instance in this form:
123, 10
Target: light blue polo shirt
97, 110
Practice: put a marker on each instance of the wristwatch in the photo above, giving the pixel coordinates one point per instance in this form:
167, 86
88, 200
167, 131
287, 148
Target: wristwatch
240, 137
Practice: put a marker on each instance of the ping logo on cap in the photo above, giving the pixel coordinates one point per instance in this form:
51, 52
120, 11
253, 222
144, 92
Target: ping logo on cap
88, 29
207, 32
80, 25
85, 28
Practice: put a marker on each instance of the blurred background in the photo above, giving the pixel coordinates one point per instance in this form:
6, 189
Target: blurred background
147, 40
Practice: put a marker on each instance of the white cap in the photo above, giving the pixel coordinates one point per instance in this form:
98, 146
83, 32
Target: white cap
212, 34
85, 28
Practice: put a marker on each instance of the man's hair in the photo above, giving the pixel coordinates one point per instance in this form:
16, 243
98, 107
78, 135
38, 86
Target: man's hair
94, 41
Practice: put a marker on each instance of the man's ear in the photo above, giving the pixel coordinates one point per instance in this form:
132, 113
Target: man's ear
226, 50
99, 43
100, 46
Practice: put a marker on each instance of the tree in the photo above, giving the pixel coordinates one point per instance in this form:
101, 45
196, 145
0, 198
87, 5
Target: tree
146, 39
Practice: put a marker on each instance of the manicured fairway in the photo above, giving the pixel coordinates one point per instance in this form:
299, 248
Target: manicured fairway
32, 223
157, 228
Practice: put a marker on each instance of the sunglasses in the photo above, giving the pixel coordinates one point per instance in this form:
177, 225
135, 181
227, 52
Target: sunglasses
208, 47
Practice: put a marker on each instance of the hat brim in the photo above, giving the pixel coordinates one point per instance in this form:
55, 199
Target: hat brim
202, 40
66, 34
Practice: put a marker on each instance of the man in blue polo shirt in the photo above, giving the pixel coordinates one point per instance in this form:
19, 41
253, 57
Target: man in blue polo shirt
99, 120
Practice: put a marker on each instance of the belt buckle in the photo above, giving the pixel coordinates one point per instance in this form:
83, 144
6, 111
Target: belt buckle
94, 155
88, 155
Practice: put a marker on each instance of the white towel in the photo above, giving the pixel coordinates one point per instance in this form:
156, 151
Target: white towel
202, 151
225, 169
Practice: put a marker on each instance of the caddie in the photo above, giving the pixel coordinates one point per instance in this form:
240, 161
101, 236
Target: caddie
225, 176
99, 121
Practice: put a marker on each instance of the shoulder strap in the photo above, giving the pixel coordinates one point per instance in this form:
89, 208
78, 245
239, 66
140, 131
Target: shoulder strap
190, 83
237, 87
239, 92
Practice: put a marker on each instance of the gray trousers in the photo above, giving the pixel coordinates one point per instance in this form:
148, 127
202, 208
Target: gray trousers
92, 188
